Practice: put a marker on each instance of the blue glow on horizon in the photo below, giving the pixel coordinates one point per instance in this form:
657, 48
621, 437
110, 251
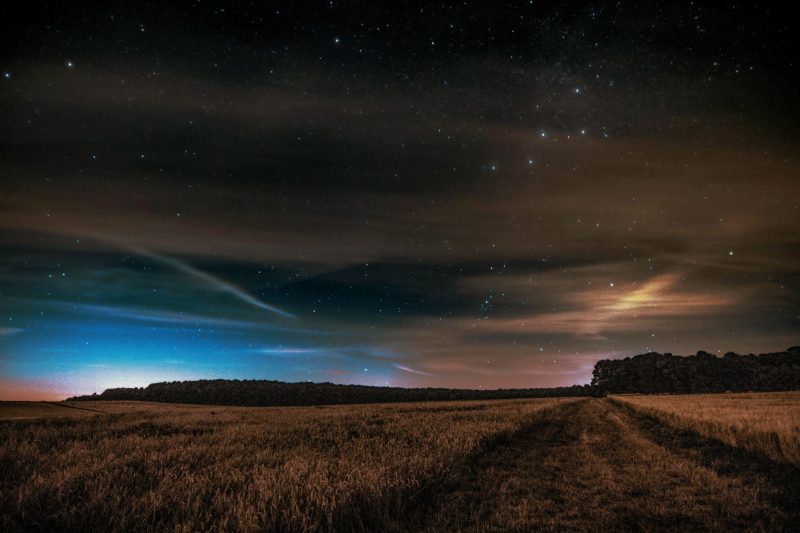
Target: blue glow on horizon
87, 354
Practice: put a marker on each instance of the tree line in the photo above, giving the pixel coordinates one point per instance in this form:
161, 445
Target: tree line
278, 393
654, 373
650, 373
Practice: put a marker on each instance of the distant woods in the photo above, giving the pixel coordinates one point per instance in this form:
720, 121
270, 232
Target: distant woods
650, 373
276, 393
654, 373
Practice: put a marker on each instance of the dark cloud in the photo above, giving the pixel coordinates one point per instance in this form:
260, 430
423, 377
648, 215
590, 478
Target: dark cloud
459, 195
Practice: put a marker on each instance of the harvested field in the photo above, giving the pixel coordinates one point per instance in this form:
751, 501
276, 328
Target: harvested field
518, 465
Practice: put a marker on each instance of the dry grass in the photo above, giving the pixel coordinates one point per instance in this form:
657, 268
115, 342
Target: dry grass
767, 423
512, 465
36, 410
588, 466
178, 467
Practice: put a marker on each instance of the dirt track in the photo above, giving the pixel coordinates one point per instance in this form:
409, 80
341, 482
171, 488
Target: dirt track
597, 465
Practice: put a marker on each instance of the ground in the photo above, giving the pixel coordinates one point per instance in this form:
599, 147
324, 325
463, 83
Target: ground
570, 464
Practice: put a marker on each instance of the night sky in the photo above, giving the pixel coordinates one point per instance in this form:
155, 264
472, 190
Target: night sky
459, 194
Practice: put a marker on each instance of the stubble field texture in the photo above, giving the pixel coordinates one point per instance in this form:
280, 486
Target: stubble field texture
716, 462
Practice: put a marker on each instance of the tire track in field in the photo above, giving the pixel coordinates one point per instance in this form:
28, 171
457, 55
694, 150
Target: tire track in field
588, 466
777, 482
68, 406
465, 500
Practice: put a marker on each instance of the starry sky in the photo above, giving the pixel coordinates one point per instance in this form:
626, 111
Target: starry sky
466, 194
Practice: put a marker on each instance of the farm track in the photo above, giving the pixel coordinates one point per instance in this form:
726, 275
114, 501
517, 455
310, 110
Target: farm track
69, 406
593, 465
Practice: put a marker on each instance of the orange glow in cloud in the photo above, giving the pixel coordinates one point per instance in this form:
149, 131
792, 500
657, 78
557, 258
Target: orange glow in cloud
610, 309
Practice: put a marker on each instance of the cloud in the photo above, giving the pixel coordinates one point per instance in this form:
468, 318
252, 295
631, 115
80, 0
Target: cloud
578, 307
215, 282
405, 368
432, 228
162, 316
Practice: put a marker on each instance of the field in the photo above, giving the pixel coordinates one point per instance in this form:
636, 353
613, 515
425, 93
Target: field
629, 462
38, 410
766, 423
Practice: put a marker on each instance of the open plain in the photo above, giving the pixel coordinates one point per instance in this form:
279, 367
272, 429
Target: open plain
627, 462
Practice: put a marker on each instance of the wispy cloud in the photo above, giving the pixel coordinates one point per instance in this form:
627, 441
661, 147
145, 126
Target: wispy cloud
146, 314
405, 368
213, 281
